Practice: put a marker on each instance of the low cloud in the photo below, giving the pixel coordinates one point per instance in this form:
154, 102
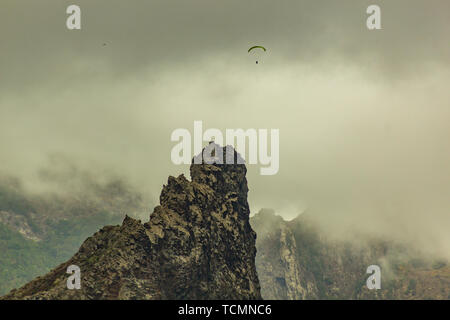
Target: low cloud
363, 115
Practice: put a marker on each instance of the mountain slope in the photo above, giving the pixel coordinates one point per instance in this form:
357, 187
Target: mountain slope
198, 244
40, 230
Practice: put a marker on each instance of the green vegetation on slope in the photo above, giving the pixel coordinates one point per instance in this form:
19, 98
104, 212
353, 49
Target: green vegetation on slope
22, 259
62, 220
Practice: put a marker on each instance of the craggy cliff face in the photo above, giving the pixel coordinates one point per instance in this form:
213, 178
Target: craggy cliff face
296, 261
198, 244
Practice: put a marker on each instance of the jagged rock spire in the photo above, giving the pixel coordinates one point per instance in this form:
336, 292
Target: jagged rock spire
198, 244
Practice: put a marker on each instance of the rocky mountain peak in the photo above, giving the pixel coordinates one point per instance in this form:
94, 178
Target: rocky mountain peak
221, 168
198, 244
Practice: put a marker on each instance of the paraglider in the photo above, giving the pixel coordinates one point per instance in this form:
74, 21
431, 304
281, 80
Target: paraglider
257, 47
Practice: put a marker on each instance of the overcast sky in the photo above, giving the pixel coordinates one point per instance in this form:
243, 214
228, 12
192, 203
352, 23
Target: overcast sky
363, 115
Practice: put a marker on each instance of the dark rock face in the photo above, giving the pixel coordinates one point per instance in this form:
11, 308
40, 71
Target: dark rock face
280, 260
296, 260
198, 244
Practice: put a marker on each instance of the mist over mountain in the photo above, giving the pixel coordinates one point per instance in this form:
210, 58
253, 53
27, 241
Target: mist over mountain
199, 231
363, 116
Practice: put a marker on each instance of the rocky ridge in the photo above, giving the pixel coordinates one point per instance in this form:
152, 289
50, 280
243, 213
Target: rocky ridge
198, 244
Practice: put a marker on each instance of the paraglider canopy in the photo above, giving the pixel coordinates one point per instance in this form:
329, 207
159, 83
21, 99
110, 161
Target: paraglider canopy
254, 47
